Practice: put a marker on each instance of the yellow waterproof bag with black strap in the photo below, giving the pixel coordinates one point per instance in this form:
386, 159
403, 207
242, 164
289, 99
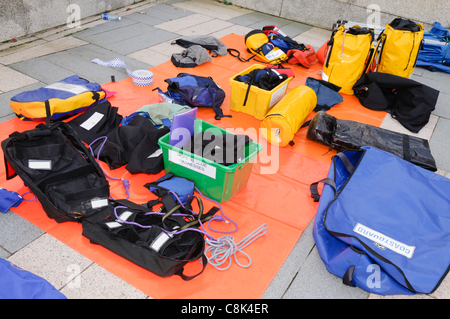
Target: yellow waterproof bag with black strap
398, 47
350, 55
258, 43
284, 120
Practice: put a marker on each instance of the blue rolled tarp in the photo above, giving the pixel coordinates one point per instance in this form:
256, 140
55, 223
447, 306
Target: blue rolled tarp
435, 55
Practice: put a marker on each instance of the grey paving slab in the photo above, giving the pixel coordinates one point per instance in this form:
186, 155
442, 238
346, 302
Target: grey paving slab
141, 42
16, 232
291, 266
438, 85
4, 254
97, 283
443, 106
167, 12
146, 19
117, 35
42, 69
293, 29
251, 18
270, 20
313, 281
439, 144
6, 112
57, 66
52, 260
104, 27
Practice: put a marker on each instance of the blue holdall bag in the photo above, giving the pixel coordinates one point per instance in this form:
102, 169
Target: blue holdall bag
383, 223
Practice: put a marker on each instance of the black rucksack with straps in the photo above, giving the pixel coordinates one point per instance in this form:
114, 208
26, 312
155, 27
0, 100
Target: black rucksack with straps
58, 168
162, 242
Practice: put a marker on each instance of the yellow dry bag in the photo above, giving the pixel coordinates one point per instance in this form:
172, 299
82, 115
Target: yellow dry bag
399, 46
258, 43
349, 57
283, 121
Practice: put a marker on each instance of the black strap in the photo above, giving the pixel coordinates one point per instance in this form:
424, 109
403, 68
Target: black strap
406, 148
48, 113
315, 192
349, 166
348, 277
187, 278
239, 55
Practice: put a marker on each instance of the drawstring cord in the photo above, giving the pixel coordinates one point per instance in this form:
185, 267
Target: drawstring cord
126, 183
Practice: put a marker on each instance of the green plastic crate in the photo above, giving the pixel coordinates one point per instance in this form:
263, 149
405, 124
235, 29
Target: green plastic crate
214, 180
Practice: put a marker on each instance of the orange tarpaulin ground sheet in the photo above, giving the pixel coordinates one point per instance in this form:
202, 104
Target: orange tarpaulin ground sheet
277, 193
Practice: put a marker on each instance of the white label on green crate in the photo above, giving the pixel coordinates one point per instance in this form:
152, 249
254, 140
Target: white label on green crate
192, 164
277, 95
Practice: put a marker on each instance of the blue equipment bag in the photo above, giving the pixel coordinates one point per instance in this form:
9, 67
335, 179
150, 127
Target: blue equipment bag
383, 223
194, 91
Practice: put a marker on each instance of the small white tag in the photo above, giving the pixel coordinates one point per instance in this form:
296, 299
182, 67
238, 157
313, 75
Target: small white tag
192, 164
385, 241
40, 164
157, 153
97, 203
92, 121
72, 88
160, 241
113, 225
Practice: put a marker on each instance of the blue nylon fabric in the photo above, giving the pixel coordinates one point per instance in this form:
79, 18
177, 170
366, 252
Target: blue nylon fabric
435, 56
399, 200
280, 43
182, 187
9, 199
21, 284
43, 94
325, 95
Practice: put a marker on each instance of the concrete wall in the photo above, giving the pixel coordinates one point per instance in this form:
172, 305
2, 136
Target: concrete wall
22, 17
323, 13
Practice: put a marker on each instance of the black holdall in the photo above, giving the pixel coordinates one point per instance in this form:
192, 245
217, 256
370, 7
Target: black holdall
57, 167
408, 101
162, 242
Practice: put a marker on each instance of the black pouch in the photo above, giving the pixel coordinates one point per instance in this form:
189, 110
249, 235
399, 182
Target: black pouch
96, 122
342, 135
162, 243
58, 168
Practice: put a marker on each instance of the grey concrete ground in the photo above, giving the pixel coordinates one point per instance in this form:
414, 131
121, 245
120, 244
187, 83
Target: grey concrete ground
143, 41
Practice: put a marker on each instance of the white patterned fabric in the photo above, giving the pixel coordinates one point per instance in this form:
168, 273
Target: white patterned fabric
139, 77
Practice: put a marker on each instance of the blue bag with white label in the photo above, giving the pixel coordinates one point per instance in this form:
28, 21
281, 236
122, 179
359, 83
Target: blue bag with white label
383, 223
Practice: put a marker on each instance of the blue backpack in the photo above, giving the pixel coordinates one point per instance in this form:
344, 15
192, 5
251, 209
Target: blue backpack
383, 223
194, 91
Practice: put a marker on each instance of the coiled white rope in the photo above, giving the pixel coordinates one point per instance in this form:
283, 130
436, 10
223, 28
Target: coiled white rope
224, 248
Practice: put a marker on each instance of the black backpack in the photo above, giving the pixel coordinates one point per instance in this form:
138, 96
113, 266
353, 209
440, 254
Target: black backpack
58, 168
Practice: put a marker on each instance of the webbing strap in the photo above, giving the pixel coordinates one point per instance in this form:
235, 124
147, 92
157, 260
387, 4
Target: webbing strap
406, 148
315, 192
187, 278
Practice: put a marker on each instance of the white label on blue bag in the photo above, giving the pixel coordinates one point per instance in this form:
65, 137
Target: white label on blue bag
384, 240
72, 88
192, 164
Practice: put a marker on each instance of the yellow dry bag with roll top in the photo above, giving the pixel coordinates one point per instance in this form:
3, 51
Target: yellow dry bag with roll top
350, 55
258, 43
399, 46
284, 120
